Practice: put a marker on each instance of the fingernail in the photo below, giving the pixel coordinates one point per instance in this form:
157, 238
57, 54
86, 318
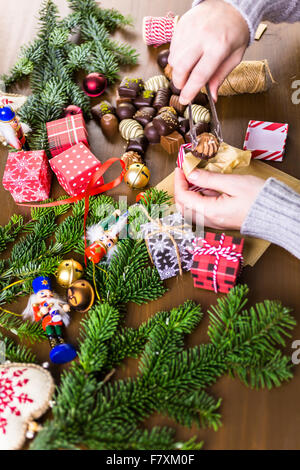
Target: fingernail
183, 100
193, 176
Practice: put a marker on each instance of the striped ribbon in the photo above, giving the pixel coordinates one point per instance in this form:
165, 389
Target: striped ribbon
219, 252
159, 30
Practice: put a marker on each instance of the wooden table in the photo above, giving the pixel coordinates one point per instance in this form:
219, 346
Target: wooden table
251, 419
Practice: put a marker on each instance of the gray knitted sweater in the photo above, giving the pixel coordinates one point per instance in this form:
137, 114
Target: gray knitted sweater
275, 214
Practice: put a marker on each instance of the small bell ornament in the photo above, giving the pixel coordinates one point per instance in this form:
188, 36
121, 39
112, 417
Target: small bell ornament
81, 295
94, 84
137, 176
48, 308
68, 271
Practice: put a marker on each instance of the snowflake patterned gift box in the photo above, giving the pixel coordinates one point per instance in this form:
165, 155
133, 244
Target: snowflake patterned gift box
217, 261
169, 242
74, 169
66, 132
266, 140
27, 176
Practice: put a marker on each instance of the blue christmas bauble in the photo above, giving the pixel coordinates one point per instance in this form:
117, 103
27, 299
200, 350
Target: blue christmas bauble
6, 114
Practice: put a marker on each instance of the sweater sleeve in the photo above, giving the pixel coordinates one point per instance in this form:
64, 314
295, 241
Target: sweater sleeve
276, 11
275, 216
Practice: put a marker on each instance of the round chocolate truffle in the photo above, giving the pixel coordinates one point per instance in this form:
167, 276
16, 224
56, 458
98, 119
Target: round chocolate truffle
162, 58
125, 111
151, 134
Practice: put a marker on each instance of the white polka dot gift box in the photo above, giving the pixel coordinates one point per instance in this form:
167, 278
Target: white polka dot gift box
74, 169
66, 132
27, 176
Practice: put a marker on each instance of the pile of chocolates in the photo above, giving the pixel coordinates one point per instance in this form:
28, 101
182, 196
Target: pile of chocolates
149, 112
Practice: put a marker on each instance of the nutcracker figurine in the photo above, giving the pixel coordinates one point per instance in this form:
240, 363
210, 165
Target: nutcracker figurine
46, 307
10, 127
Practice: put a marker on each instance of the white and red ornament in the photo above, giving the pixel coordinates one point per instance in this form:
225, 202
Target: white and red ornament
25, 394
266, 140
94, 84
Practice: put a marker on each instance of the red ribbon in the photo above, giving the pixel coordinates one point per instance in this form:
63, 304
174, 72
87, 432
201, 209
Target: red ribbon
90, 191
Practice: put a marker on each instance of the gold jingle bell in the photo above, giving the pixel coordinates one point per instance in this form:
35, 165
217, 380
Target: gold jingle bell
80, 295
137, 176
68, 271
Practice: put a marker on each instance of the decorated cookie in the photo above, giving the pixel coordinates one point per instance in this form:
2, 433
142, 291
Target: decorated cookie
130, 129
25, 393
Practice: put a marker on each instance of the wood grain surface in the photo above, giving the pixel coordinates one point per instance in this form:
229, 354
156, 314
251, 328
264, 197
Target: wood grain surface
251, 419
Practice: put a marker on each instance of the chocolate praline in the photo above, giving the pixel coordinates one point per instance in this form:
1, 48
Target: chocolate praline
101, 109
144, 99
125, 111
109, 125
200, 127
162, 98
173, 88
145, 115
162, 58
152, 134
138, 145
165, 123
201, 99
130, 87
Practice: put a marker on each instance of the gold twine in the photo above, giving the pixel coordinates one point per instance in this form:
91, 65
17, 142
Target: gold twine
250, 76
167, 230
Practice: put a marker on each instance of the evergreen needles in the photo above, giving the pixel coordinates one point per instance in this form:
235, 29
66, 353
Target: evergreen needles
52, 60
101, 413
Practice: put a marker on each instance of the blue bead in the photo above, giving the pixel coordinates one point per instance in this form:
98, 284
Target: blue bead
62, 353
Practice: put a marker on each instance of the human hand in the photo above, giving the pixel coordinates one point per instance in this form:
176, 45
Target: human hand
209, 41
228, 201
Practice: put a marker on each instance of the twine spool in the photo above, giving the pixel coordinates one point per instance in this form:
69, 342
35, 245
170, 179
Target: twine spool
250, 76
158, 30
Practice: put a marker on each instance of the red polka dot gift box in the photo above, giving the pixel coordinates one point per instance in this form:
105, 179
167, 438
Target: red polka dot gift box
27, 176
74, 169
66, 132
217, 261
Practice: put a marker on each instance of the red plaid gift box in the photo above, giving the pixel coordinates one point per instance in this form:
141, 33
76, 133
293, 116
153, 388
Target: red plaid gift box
66, 132
217, 260
74, 169
27, 176
266, 140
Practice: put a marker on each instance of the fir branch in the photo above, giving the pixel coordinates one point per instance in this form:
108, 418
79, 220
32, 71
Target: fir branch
16, 352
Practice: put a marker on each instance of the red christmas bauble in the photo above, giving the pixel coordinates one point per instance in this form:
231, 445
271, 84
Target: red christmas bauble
94, 84
71, 110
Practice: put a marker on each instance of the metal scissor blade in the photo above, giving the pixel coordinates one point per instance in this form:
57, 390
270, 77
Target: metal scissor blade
192, 128
215, 123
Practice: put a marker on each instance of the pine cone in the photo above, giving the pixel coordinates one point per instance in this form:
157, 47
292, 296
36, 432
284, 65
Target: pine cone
208, 146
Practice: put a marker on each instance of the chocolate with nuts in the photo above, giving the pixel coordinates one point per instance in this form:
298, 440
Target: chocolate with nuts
101, 109
144, 99
165, 123
130, 87
145, 115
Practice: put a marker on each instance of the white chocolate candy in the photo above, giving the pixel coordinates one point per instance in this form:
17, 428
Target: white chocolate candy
156, 82
199, 113
130, 129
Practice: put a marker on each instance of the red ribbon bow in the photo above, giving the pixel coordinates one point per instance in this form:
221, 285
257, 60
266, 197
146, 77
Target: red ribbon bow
90, 191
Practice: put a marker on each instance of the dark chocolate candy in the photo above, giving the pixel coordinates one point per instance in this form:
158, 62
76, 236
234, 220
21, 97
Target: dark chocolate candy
165, 123
162, 98
172, 142
162, 58
151, 134
173, 88
174, 102
138, 145
201, 99
122, 99
144, 99
145, 115
101, 109
131, 87
200, 127
109, 125
184, 125
125, 111
168, 71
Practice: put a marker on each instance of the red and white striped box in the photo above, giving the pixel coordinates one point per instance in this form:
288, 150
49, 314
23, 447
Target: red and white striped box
74, 169
266, 140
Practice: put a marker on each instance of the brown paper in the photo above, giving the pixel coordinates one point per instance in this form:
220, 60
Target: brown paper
254, 248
